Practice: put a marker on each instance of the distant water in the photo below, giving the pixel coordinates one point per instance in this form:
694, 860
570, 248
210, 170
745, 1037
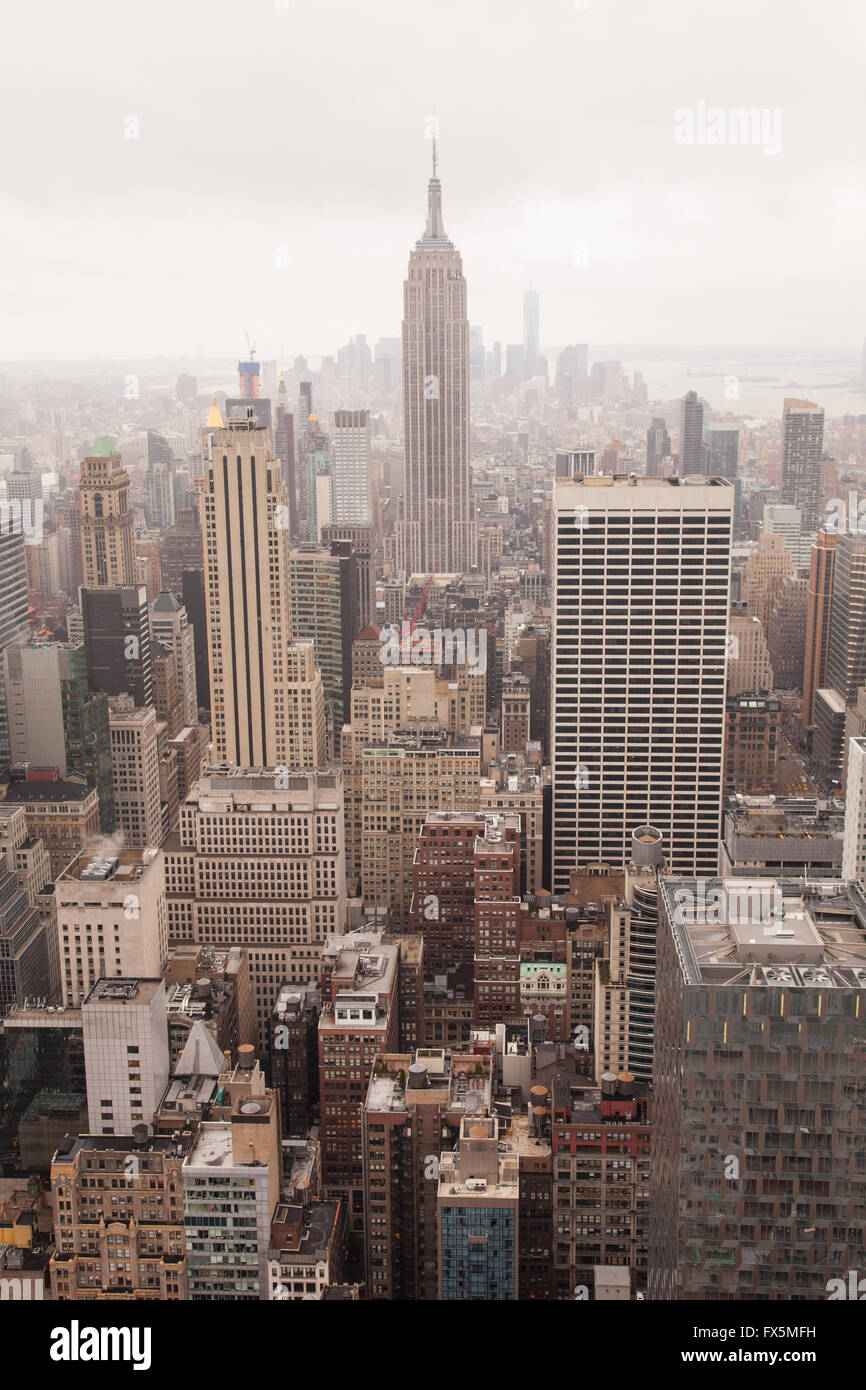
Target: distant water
828, 382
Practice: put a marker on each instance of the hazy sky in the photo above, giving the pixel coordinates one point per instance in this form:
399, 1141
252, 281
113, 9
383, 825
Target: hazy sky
274, 131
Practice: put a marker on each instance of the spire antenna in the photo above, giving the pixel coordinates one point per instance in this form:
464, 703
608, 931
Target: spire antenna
435, 158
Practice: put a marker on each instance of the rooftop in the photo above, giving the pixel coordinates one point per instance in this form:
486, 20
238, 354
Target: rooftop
760, 932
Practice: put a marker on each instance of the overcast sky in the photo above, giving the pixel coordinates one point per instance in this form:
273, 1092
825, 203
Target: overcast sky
293, 131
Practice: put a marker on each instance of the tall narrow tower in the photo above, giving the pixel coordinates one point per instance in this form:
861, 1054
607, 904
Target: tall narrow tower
437, 530
257, 721
106, 519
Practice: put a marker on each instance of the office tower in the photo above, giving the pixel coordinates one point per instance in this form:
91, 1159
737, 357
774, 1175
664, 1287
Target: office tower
446, 877
530, 657
319, 473
802, 447
186, 388
515, 714
170, 626
846, 652
769, 564
794, 837
284, 448
854, 842
132, 1184
14, 627
42, 561
28, 857
248, 375
325, 610
305, 410
25, 963
180, 549
363, 542
786, 633
44, 1089
515, 369
353, 484
571, 462
724, 452
753, 733
757, 1188
55, 721
530, 332
478, 1209
26, 488
691, 435
125, 1052
111, 919
135, 773
782, 520
513, 785
821, 568
359, 1020
749, 666
624, 992
571, 374
116, 626
293, 1055
193, 598
641, 570
438, 530
258, 858
64, 815
658, 448
106, 518
601, 1140
415, 1101
247, 586
231, 1180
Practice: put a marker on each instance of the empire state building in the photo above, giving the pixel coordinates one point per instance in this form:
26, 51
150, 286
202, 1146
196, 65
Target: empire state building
437, 530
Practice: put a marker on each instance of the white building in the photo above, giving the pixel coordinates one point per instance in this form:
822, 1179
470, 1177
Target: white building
135, 771
641, 574
854, 841
126, 1055
352, 493
170, 626
111, 919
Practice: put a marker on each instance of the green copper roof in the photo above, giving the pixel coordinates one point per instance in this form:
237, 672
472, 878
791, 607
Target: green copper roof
104, 448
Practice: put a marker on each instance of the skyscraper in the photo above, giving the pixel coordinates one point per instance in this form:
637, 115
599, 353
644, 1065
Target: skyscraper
658, 447
802, 446
530, 332
437, 531
821, 570
724, 452
756, 1188
247, 586
691, 434
106, 518
640, 577
352, 492
13, 613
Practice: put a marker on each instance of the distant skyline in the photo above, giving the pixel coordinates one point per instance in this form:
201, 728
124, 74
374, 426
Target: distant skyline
564, 160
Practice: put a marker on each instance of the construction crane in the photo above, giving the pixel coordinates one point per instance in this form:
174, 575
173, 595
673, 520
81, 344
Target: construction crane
251, 347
